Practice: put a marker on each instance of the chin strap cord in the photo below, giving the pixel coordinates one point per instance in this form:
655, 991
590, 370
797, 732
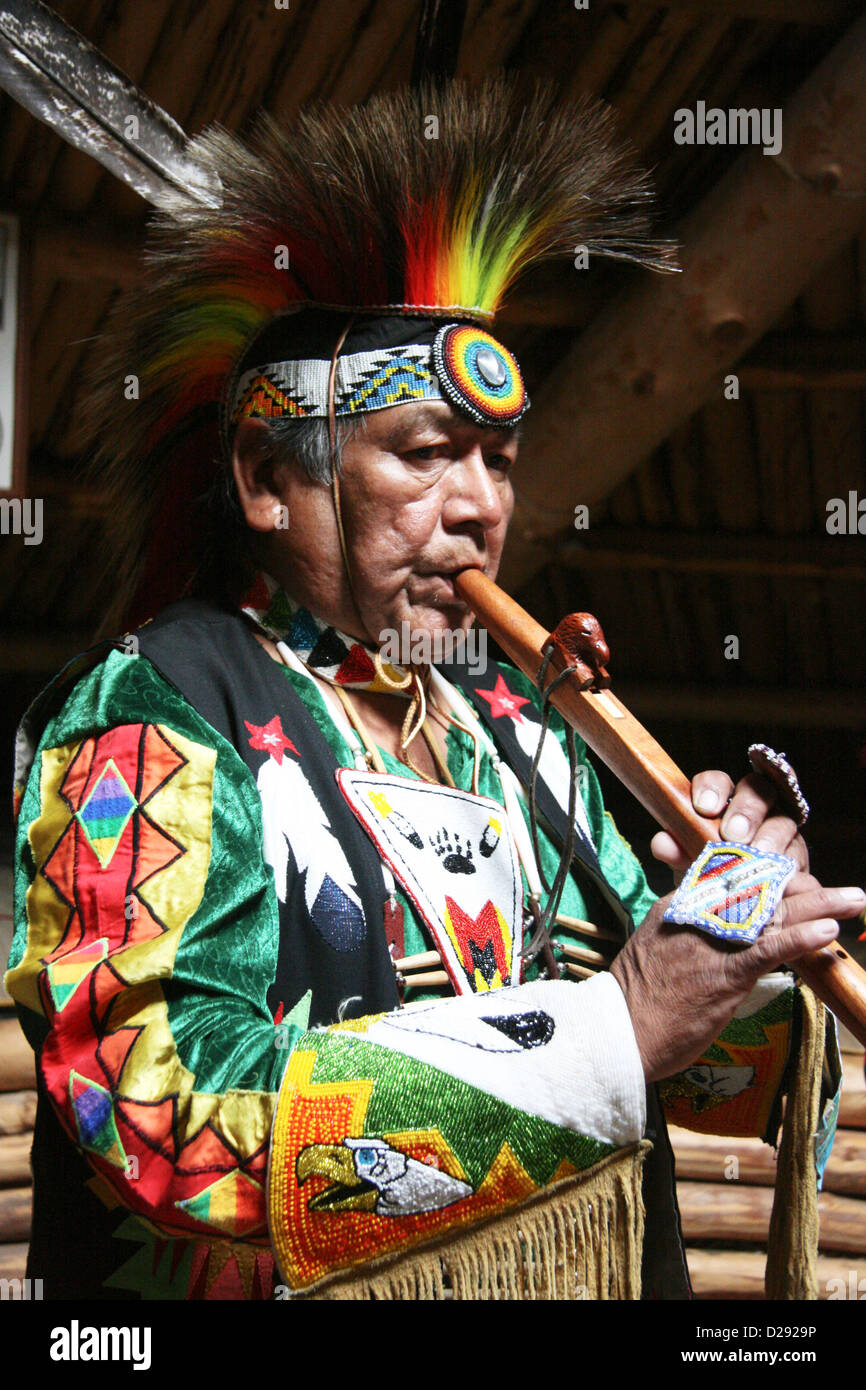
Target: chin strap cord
417, 714
335, 472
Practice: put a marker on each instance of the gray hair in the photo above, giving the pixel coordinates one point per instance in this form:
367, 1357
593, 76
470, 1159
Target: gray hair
309, 442
227, 566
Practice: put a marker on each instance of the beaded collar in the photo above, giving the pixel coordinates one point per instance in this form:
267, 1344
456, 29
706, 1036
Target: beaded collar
336, 657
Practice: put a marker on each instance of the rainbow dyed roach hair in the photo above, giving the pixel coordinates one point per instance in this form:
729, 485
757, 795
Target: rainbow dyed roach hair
428, 202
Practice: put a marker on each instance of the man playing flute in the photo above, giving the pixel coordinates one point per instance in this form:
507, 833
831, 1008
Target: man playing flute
314, 1010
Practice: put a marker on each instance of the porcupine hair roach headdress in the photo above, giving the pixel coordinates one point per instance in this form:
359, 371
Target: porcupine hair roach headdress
414, 214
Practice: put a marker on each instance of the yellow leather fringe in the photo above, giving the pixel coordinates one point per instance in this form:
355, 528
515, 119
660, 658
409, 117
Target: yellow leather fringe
579, 1238
792, 1248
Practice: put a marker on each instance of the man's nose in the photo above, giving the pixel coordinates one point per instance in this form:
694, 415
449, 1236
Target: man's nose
475, 495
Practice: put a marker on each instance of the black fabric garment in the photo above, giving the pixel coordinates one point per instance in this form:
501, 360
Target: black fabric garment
213, 659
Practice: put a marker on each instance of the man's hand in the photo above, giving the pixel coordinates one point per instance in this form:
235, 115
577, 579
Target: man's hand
682, 987
750, 819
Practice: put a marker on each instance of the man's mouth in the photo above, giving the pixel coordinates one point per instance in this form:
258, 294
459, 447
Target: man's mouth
439, 589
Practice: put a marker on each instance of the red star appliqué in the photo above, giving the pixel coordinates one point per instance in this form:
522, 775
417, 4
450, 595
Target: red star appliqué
270, 738
502, 701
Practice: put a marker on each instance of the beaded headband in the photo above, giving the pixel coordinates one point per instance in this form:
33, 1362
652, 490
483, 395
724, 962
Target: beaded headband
463, 365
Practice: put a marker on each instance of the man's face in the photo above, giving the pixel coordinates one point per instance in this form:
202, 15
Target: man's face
424, 493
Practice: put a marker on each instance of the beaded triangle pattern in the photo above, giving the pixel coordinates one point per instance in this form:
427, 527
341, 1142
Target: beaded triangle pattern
332, 654
731, 891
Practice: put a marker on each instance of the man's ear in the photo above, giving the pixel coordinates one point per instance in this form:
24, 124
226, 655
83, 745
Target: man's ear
257, 478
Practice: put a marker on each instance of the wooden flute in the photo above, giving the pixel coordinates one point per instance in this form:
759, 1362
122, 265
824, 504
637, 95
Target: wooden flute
634, 756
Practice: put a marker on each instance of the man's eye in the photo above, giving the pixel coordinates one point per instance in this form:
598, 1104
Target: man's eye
430, 451
501, 462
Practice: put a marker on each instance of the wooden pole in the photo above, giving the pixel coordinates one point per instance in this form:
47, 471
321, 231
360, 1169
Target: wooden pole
852, 1106
707, 1157
735, 1212
737, 1274
17, 1112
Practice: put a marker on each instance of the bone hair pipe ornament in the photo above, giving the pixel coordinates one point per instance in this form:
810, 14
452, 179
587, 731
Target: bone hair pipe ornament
634, 756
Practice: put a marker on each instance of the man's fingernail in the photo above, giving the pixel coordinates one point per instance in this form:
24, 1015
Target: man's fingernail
827, 931
853, 895
762, 846
707, 800
737, 827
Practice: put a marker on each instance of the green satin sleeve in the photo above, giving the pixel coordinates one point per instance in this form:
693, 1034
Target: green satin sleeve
225, 958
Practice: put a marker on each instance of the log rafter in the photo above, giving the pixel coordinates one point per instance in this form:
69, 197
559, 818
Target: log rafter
836, 558
650, 360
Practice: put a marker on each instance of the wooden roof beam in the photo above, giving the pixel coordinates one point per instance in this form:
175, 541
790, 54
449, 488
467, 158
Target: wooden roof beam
651, 359
805, 362
757, 706
831, 558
